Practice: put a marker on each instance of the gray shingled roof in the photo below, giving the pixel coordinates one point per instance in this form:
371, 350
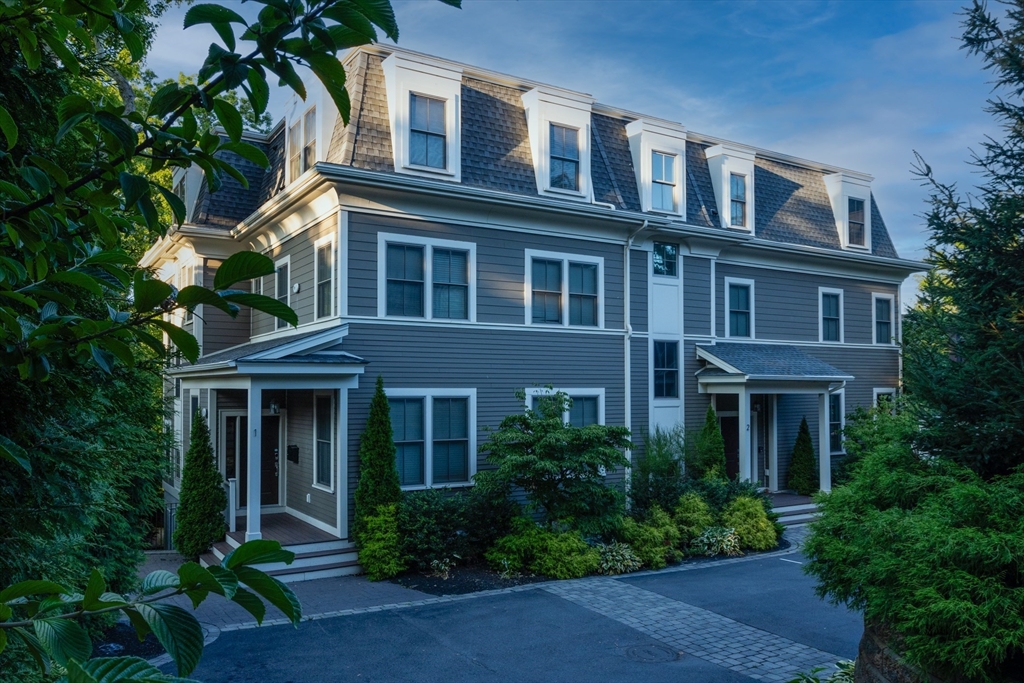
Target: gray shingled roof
243, 350
771, 360
495, 140
229, 205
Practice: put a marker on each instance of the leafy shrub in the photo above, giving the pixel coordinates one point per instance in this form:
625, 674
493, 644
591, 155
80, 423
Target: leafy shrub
560, 555
654, 541
618, 558
489, 511
561, 467
431, 526
748, 518
707, 458
378, 474
380, 552
692, 516
200, 521
803, 471
718, 493
657, 478
716, 541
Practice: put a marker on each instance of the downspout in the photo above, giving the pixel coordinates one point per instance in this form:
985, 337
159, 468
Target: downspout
627, 370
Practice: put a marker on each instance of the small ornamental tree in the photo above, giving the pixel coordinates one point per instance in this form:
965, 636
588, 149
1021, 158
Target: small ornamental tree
803, 475
560, 467
200, 521
378, 474
707, 458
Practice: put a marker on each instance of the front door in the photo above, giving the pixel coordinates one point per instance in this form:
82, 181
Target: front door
270, 460
727, 406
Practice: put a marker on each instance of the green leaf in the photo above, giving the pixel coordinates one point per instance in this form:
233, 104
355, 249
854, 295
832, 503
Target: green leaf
119, 128
332, 74
259, 92
32, 644
166, 100
66, 127
193, 575
63, 639
245, 265
55, 171
132, 41
265, 304
226, 578
345, 14
174, 201
159, 580
272, 590
72, 105
13, 190
9, 128
181, 339
134, 187
193, 295
93, 590
118, 669
149, 293
257, 552
252, 604
248, 152
380, 13
66, 56
212, 14
122, 351
229, 118
138, 623
179, 633
76, 674
25, 588
16, 454
3, 640
226, 34
78, 279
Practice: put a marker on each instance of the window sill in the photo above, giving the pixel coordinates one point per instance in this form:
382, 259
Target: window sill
428, 169
567, 194
564, 326
665, 277
666, 212
858, 247
325, 489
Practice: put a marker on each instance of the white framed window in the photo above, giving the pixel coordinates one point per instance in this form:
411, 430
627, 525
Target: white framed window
256, 285
658, 149
666, 259
564, 164
856, 232
739, 308
435, 436
323, 274
558, 122
425, 278
666, 369
190, 275
830, 315
850, 196
424, 101
323, 441
732, 175
564, 289
587, 406
302, 144
836, 420
282, 286
738, 200
883, 318
883, 395
664, 182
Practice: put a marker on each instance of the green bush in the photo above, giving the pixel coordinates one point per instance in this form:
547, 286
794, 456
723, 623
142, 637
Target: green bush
707, 457
618, 558
654, 541
200, 521
559, 555
378, 473
489, 511
431, 526
380, 553
718, 493
657, 477
692, 516
716, 540
747, 517
803, 470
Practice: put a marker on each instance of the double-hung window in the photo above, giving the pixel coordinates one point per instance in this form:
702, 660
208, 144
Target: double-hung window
325, 278
323, 431
885, 398
855, 233
584, 411
586, 405
835, 422
831, 315
564, 289
188, 277
666, 259
740, 304
565, 158
883, 314
663, 183
427, 143
738, 200
427, 278
666, 369
435, 435
282, 287
302, 144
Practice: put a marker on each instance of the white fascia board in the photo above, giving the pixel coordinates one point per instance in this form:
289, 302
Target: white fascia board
724, 160
647, 136
545, 106
711, 358
309, 344
841, 187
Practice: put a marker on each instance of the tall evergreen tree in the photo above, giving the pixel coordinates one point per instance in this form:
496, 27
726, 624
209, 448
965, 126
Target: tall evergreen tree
803, 476
707, 458
200, 521
378, 473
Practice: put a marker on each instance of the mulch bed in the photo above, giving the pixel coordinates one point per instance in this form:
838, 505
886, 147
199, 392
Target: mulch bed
478, 577
120, 640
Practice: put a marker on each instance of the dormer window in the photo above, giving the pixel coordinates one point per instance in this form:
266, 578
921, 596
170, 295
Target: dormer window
427, 132
738, 200
663, 183
850, 196
732, 175
855, 222
302, 144
658, 149
565, 158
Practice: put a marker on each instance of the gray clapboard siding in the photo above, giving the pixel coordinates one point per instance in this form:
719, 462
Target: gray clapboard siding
695, 404
871, 368
220, 330
501, 265
639, 268
641, 393
495, 364
322, 505
696, 295
792, 408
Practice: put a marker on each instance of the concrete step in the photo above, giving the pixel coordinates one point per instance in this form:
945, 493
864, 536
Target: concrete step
323, 571
306, 565
794, 520
793, 509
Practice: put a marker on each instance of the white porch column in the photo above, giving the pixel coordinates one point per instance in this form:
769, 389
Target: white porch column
824, 451
252, 514
744, 434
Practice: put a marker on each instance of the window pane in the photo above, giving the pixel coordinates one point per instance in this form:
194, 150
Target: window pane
282, 283
419, 112
451, 445
739, 324
309, 124
407, 427
583, 412
665, 259
323, 418
666, 369
435, 151
738, 187
830, 317
856, 221
409, 459
835, 419
857, 210
418, 148
739, 298
436, 117
582, 278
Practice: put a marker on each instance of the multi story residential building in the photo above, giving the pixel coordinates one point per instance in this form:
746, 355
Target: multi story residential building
468, 234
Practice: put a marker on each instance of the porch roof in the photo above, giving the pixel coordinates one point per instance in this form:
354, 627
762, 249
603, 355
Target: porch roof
731, 361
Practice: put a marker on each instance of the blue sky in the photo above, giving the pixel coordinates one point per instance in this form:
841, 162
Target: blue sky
857, 84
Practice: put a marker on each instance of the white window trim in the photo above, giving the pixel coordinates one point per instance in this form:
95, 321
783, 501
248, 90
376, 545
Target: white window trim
724, 160
544, 106
842, 187
326, 239
334, 442
428, 244
841, 393
892, 319
667, 400
284, 260
586, 392
647, 136
881, 391
428, 396
300, 120
725, 305
822, 291
565, 259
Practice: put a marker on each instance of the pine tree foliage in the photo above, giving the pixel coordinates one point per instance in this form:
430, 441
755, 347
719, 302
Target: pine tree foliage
378, 473
200, 521
707, 458
803, 474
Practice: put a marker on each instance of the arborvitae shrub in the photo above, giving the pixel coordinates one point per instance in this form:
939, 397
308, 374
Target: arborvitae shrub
803, 474
378, 474
380, 554
200, 521
748, 518
707, 458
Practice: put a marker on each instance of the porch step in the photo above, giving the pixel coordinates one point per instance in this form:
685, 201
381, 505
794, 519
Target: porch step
793, 515
315, 564
323, 571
